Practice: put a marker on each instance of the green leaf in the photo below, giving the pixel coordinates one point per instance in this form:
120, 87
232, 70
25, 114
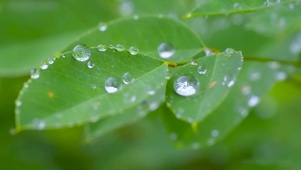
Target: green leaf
69, 93
279, 22
147, 33
221, 7
252, 83
214, 74
99, 128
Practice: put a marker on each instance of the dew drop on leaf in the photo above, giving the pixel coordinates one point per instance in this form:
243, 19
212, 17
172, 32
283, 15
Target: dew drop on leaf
253, 101
93, 86
127, 78
173, 136
243, 111
102, 47
18, 103
186, 85
254, 76
81, 52
214, 133
90, 64
194, 63
133, 50
44, 66
208, 52
119, 47
111, 46
202, 70
280, 76
34, 74
166, 50
112, 85
103, 28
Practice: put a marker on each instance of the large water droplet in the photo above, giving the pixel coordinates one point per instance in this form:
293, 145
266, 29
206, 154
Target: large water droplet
34, 74
202, 70
112, 85
253, 101
102, 47
186, 85
166, 50
119, 47
81, 52
127, 78
90, 64
133, 50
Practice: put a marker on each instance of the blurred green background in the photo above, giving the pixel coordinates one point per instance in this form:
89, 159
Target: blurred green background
33, 30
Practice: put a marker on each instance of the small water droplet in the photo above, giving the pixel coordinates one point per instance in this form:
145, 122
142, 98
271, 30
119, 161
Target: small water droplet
245, 90
90, 64
63, 56
150, 91
243, 111
111, 46
93, 86
274, 65
103, 28
112, 85
102, 47
237, 5
173, 136
202, 70
208, 52
126, 8
214, 133
280, 76
81, 52
229, 81
186, 85
135, 17
34, 74
119, 47
18, 103
127, 78
166, 50
254, 76
229, 52
50, 61
153, 106
195, 146
44, 66
133, 50
253, 101
194, 63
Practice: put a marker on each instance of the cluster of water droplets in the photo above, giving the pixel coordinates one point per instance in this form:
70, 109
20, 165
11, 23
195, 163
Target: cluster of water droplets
113, 84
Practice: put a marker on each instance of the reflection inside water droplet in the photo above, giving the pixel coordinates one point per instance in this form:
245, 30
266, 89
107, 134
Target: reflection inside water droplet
186, 85
81, 52
166, 50
112, 85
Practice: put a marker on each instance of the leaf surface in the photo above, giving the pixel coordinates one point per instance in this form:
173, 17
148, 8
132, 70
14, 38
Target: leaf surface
214, 75
253, 82
221, 7
69, 93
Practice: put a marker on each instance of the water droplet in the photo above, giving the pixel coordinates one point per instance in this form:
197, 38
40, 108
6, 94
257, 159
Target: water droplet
280, 76
194, 63
81, 52
133, 50
102, 47
50, 61
173, 136
35, 74
166, 50
253, 101
135, 17
208, 52
243, 111
229, 81
129, 98
63, 56
103, 28
245, 90
126, 8
186, 85
127, 78
295, 46
150, 91
18, 103
44, 66
214, 133
112, 85
254, 76
229, 52
236, 5
93, 86
90, 64
195, 146
111, 46
119, 47
274, 65
202, 70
